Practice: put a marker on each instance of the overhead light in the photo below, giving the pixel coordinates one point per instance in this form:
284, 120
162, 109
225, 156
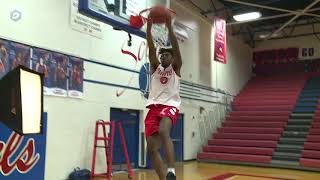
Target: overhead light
21, 104
247, 16
263, 36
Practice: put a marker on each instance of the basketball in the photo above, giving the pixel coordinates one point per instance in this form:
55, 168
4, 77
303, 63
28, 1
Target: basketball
158, 14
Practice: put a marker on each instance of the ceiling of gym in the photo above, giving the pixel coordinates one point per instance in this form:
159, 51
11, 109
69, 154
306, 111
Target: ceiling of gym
280, 18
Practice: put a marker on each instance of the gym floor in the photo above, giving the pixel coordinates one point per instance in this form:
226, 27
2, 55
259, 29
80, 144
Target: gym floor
203, 171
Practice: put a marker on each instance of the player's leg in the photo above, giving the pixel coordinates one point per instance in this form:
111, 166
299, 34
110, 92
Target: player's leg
164, 133
153, 147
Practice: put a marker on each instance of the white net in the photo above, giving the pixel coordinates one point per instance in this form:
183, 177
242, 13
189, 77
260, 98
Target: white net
160, 35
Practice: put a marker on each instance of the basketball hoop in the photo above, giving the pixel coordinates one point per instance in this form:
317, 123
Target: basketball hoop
159, 30
160, 19
136, 21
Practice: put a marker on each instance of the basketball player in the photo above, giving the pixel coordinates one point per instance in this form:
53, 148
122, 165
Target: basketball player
18, 60
164, 101
3, 59
60, 76
75, 80
42, 68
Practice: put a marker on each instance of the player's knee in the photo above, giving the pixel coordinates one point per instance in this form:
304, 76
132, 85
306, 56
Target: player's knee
152, 147
164, 133
165, 127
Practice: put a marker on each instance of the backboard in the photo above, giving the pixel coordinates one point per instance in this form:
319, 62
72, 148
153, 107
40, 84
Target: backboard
117, 12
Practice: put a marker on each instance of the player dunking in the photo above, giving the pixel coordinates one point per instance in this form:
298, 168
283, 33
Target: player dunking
164, 101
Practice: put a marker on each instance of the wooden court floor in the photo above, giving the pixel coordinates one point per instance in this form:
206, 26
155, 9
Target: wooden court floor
203, 171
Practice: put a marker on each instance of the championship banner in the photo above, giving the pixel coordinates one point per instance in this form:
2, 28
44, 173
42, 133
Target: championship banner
220, 43
22, 157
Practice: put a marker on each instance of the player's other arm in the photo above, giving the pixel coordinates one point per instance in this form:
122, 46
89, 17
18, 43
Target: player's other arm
177, 63
152, 50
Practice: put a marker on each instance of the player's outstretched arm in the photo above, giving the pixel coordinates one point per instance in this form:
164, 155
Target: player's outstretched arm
152, 50
175, 45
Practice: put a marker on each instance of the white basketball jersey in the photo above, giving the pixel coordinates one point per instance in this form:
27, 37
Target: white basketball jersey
164, 87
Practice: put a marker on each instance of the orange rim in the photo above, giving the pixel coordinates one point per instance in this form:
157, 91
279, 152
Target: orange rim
173, 13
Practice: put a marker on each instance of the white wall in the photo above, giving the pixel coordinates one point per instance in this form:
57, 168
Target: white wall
45, 24
233, 75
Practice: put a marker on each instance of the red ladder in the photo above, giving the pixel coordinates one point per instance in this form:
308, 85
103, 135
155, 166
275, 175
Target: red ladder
108, 146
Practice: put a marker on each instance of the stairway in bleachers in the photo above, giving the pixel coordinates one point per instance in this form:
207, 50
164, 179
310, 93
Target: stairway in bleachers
251, 132
291, 143
308, 99
310, 156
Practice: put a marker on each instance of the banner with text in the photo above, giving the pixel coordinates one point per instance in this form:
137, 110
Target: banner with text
220, 43
22, 157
